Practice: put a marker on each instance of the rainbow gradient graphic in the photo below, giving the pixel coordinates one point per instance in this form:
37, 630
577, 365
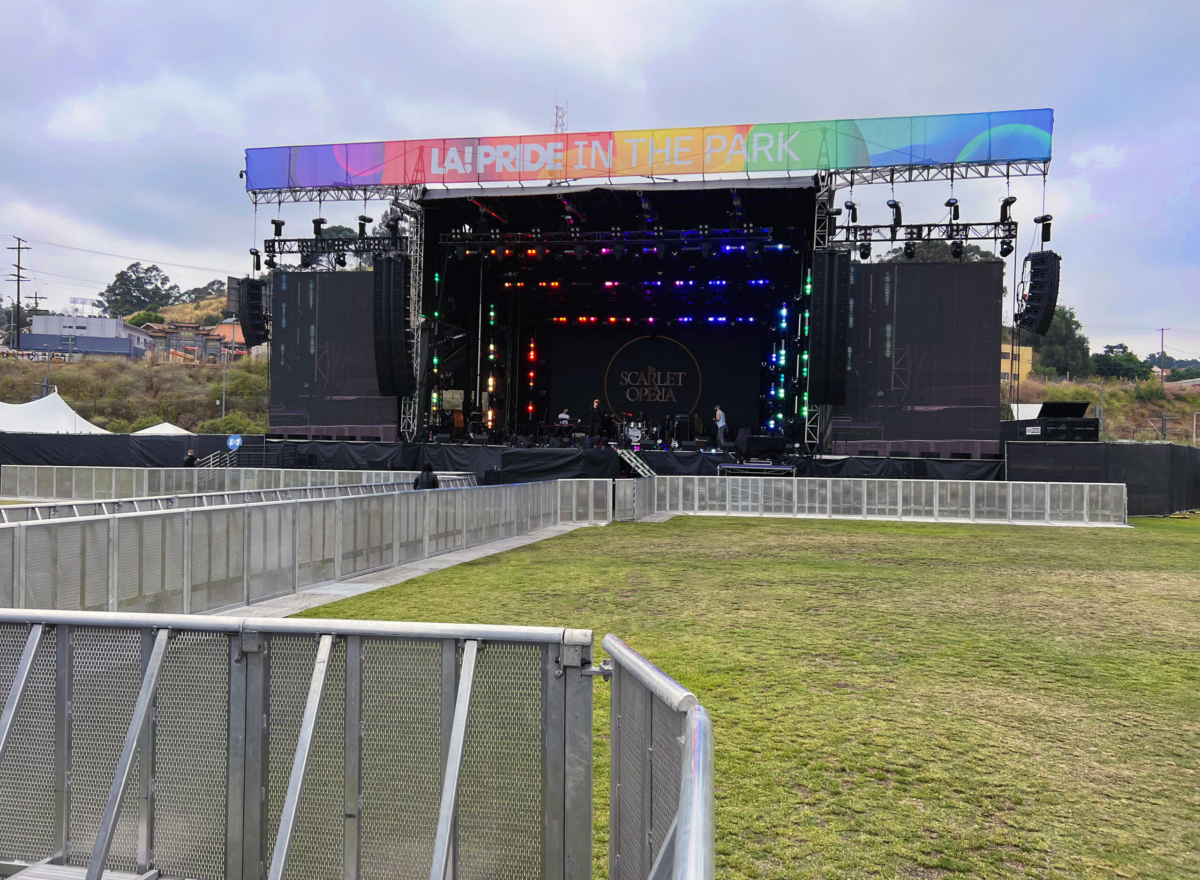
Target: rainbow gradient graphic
1007, 136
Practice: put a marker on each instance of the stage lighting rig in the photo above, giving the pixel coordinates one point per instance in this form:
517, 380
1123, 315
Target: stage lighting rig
318, 222
910, 250
363, 220
1006, 248
864, 251
852, 207
1006, 204
1044, 221
340, 259
572, 209
278, 224
952, 204
897, 213
956, 250
305, 261
647, 208
737, 204
257, 259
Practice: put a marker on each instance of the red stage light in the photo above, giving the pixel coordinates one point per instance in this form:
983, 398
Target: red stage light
593, 320
583, 320
612, 320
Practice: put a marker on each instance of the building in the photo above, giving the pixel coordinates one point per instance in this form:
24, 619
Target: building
1020, 365
94, 337
183, 342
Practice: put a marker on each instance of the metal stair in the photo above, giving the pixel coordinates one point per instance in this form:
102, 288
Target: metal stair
635, 461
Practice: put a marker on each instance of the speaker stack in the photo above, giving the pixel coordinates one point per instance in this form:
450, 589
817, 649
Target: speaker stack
1041, 293
393, 344
252, 312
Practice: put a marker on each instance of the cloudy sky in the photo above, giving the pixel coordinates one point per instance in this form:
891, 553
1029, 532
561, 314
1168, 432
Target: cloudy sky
124, 122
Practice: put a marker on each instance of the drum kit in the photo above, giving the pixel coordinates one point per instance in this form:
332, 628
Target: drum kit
636, 431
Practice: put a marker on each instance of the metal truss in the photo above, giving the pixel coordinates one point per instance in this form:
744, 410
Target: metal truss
924, 232
950, 171
401, 246
414, 222
657, 235
390, 192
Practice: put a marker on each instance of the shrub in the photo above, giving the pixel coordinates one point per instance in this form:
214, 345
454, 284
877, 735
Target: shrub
1149, 391
234, 423
117, 426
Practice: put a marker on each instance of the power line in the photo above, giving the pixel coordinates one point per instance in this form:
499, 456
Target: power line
71, 247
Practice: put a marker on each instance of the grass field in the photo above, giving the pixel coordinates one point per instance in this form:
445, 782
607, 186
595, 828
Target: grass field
895, 699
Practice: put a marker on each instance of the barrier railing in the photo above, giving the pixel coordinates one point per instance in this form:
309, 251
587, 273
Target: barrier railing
91, 483
1092, 504
661, 806
70, 509
245, 749
207, 558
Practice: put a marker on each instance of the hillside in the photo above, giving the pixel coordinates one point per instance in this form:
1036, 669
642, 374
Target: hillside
120, 394
195, 312
1132, 410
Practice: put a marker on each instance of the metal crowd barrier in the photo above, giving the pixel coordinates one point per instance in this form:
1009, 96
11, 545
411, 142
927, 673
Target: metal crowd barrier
10, 513
88, 483
661, 809
207, 558
229, 749
1092, 504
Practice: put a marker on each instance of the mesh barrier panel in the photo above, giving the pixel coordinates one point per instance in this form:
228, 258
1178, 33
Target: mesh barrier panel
881, 498
401, 757
991, 501
1028, 501
106, 677
666, 764
150, 563
217, 562
8, 538
846, 497
66, 565
778, 495
501, 814
316, 852
272, 558
9, 482
191, 765
954, 500
1067, 501
632, 751
1106, 504
27, 773
316, 541
919, 496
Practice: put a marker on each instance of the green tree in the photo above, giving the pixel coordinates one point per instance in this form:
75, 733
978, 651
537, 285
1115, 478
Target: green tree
216, 287
1064, 348
1118, 362
141, 319
139, 288
939, 252
233, 423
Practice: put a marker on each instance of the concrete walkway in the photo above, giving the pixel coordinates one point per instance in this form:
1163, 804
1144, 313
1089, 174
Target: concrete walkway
312, 597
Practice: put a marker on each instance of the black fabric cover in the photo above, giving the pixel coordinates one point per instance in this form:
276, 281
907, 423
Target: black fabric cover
1160, 478
689, 464
533, 465
104, 450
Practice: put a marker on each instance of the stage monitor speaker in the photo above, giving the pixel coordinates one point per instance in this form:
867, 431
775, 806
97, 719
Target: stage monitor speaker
1041, 293
683, 427
252, 311
393, 342
829, 322
443, 438
687, 445
522, 443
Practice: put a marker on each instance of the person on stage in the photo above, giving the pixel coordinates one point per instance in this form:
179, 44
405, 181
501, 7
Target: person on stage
593, 420
719, 418
564, 417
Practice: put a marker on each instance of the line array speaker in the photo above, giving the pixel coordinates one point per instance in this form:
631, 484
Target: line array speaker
393, 345
1041, 294
252, 312
829, 322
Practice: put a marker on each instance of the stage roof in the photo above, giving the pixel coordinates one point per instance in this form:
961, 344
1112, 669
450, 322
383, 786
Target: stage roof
967, 139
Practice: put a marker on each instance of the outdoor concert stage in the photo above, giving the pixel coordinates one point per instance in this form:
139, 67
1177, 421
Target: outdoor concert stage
661, 302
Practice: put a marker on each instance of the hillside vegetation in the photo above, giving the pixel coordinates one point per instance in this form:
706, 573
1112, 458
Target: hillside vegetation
122, 395
195, 312
1132, 410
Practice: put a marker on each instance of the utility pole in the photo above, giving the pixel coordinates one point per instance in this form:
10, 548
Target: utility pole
1162, 354
20, 246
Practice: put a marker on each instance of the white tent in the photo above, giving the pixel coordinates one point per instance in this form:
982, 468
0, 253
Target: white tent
49, 415
166, 429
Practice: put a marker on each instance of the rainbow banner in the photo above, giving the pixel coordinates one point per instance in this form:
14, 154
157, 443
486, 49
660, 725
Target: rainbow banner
1008, 136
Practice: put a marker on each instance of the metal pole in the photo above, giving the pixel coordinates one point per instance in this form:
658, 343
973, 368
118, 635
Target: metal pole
16, 693
137, 727
458, 733
224, 365
308, 725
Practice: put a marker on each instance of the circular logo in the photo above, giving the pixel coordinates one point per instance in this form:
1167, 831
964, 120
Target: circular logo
234, 441
655, 375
